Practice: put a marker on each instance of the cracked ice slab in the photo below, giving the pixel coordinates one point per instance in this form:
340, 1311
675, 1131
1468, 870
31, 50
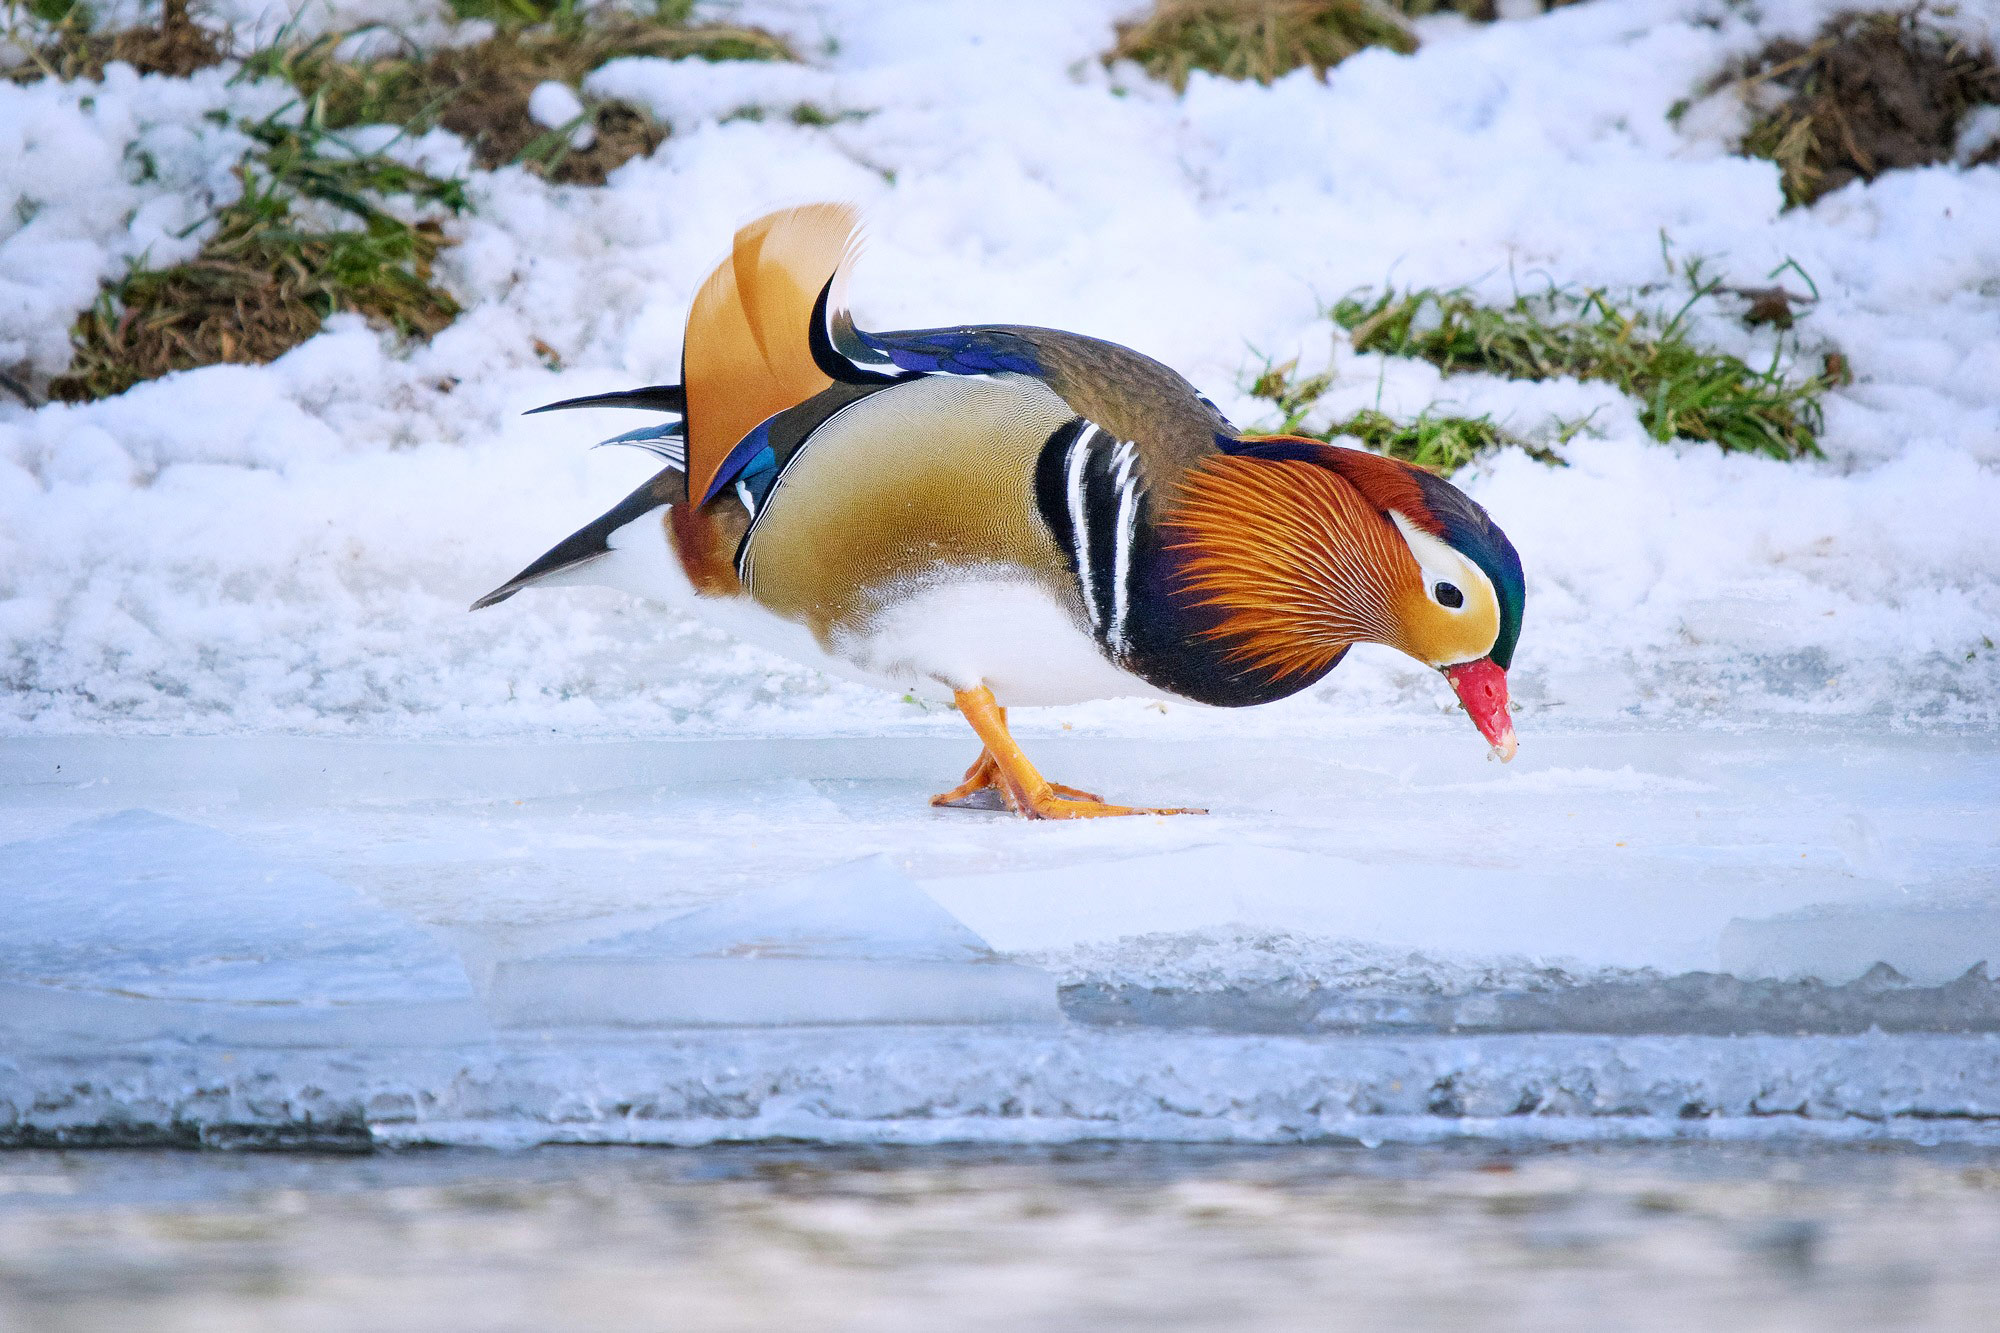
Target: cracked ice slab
859, 943
133, 924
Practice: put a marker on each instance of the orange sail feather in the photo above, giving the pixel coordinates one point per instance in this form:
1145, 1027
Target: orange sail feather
748, 350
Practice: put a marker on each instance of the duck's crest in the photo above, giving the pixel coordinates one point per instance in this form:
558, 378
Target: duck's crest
748, 350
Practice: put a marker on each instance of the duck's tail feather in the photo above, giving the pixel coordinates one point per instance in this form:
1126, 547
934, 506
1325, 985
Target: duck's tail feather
666, 442
586, 546
654, 398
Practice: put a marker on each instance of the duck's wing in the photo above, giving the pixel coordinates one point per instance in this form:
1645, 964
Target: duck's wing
1129, 396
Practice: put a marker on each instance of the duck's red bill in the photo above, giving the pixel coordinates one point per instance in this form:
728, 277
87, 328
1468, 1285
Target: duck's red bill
1482, 688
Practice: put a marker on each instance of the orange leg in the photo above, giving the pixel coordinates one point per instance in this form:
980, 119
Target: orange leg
1027, 792
984, 775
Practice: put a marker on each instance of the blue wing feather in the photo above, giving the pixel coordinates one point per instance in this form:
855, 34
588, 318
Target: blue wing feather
961, 351
752, 454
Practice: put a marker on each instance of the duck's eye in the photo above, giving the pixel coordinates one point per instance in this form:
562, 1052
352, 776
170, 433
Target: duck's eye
1448, 595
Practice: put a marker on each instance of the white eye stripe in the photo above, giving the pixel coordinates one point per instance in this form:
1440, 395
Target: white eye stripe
1438, 563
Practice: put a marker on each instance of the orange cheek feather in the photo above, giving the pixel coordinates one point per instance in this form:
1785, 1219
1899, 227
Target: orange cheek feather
1299, 562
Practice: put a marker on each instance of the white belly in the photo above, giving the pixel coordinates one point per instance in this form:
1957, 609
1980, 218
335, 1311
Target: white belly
979, 627
985, 627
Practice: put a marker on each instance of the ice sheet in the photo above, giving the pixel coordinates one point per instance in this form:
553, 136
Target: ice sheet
1626, 850
134, 924
1376, 938
865, 909
1928, 942
917, 1085
644, 992
141, 905
858, 943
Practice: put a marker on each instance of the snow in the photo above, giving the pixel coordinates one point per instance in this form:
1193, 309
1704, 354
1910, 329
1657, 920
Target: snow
366, 863
291, 547
553, 105
97, 177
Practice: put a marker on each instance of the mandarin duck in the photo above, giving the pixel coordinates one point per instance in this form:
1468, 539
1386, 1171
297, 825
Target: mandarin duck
1004, 515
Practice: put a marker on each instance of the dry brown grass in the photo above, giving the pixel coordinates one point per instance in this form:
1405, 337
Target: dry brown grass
480, 91
265, 281
1267, 39
262, 284
1256, 39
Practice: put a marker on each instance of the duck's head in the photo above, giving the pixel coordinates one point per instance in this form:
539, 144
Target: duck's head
1297, 550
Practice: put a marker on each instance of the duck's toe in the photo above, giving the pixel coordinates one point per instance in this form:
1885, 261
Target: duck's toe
985, 789
1080, 806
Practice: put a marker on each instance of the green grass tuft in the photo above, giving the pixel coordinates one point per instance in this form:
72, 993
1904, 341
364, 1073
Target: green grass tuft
264, 282
1442, 442
1684, 391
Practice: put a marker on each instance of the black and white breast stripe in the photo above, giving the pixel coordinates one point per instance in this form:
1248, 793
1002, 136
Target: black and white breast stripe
1090, 492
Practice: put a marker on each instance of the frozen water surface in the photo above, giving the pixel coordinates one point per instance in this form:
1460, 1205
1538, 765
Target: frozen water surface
1370, 937
859, 943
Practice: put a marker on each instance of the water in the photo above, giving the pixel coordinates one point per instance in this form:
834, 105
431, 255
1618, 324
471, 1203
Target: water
1086, 1237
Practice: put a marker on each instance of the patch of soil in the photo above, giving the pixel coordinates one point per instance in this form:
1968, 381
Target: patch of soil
481, 93
1871, 93
177, 47
623, 132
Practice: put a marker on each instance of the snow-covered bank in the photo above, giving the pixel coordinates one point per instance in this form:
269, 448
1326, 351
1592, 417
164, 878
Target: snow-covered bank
291, 546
